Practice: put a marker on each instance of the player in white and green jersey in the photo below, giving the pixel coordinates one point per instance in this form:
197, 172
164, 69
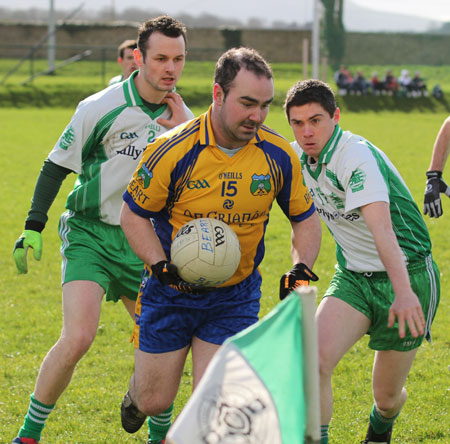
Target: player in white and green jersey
125, 58
386, 283
355, 174
103, 144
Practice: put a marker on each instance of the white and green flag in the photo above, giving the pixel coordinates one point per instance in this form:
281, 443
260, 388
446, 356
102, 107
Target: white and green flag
253, 390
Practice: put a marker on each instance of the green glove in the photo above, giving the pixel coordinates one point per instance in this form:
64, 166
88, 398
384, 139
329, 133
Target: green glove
28, 239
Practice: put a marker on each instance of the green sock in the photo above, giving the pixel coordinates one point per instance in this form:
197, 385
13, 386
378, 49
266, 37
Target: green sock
159, 425
324, 434
380, 423
35, 419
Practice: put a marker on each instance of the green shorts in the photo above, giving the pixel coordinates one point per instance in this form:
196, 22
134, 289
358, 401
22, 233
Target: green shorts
372, 295
98, 252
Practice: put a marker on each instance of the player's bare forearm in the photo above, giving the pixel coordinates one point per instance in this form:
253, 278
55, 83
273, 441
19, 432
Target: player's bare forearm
141, 236
378, 219
306, 239
406, 306
441, 148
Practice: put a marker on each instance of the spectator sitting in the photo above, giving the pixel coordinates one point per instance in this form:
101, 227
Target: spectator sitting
376, 85
437, 92
405, 82
418, 86
344, 80
360, 85
390, 83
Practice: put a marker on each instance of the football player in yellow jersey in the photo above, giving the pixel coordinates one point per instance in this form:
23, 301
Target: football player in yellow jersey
224, 164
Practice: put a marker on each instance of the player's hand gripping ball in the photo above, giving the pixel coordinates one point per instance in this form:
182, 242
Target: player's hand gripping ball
167, 274
206, 251
298, 276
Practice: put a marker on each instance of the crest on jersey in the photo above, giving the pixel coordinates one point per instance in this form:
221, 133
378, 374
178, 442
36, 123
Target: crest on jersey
260, 185
67, 138
144, 176
357, 180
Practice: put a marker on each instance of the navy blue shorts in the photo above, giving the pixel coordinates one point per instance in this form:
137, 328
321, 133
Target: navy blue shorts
167, 320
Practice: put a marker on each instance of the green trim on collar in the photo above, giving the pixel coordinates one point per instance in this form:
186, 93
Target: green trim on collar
153, 114
129, 89
134, 99
330, 147
325, 154
313, 173
304, 159
134, 90
126, 93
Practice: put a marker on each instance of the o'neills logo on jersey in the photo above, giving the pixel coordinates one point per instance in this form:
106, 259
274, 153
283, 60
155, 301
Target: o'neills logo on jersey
357, 180
144, 176
260, 185
67, 138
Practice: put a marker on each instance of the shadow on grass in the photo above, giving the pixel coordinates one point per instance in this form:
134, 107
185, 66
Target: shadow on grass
200, 96
389, 103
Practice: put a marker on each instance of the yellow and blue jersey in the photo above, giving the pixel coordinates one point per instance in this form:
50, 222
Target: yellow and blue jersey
184, 175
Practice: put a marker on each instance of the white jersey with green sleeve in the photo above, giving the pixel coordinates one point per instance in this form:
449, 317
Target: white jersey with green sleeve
350, 173
103, 144
115, 79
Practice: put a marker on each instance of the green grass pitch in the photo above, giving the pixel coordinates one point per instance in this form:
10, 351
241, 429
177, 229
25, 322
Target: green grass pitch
88, 412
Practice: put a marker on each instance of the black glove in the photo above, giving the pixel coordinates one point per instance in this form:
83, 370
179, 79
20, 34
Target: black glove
432, 199
167, 274
299, 275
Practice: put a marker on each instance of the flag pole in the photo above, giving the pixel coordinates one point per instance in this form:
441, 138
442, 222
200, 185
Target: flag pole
308, 297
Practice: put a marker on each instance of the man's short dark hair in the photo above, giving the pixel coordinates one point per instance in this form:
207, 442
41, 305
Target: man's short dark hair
311, 91
164, 24
132, 44
232, 61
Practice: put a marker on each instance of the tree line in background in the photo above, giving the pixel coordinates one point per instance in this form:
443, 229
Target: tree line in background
332, 26
333, 33
108, 15
333, 11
